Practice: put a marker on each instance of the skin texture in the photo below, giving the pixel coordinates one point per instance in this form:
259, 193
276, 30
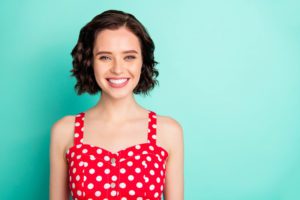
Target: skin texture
117, 121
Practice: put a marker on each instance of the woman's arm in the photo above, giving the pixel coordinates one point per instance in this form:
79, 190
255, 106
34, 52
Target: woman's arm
173, 134
58, 165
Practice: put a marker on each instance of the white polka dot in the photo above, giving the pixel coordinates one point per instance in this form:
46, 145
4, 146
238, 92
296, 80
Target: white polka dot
106, 171
132, 192
84, 151
154, 116
156, 165
130, 153
148, 158
106, 185
124, 198
137, 146
152, 172
97, 193
137, 157
76, 135
154, 126
139, 198
77, 178
113, 193
84, 178
158, 179
156, 194
100, 164
91, 186
78, 146
114, 178
149, 130
151, 187
99, 178
139, 185
99, 151
92, 157
122, 185
106, 158
85, 164
72, 163
81, 163
92, 171
73, 185
130, 177
77, 124
129, 163
161, 172
151, 148
144, 164
162, 153
72, 154
74, 170
146, 179
78, 192
122, 170
154, 136
137, 170
144, 152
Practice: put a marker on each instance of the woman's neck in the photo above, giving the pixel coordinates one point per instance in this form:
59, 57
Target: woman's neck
115, 110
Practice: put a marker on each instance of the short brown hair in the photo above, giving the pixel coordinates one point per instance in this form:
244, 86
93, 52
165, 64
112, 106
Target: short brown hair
82, 53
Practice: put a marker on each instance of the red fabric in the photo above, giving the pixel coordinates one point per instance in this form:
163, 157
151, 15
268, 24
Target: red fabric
136, 172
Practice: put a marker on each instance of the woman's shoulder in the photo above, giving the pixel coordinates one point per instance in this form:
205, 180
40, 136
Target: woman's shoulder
62, 132
169, 131
169, 123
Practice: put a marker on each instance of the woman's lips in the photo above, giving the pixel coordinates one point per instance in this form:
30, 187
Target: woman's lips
117, 82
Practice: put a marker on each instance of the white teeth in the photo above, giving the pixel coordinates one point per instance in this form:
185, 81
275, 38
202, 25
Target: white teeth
117, 81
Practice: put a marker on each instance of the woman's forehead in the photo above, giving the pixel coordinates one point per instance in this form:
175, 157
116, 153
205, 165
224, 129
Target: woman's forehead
119, 40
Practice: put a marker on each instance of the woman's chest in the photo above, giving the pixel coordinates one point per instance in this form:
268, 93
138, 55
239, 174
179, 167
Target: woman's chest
138, 171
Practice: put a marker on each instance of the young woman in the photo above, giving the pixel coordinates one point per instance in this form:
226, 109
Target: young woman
117, 149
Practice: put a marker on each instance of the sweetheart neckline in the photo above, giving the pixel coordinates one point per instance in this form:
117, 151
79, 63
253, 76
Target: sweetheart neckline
121, 150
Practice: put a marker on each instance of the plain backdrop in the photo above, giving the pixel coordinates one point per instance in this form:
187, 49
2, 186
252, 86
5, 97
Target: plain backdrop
229, 73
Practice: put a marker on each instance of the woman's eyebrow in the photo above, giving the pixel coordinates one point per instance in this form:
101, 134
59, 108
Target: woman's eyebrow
108, 52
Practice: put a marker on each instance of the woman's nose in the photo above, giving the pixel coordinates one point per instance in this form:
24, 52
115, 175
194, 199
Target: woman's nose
117, 67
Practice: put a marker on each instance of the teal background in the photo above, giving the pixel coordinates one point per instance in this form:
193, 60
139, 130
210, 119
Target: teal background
229, 73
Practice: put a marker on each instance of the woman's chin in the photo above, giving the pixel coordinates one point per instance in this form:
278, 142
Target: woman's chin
117, 94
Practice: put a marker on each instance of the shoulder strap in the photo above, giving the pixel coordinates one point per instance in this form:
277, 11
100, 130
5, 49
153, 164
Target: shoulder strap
152, 127
78, 128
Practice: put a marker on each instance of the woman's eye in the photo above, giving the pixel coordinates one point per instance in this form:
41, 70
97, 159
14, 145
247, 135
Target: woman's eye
104, 58
131, 57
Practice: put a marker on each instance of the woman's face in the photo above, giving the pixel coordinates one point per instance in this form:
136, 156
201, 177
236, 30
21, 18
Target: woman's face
117, 62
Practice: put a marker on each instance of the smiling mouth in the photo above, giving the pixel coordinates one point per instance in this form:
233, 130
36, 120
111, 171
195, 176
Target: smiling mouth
117, 82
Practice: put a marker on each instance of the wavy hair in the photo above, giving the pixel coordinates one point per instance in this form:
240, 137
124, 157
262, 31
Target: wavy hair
82, 53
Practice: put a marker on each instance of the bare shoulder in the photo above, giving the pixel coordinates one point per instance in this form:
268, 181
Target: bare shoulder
62, 132
169, 131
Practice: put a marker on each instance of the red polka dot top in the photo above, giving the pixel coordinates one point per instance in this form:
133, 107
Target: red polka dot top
136, 172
